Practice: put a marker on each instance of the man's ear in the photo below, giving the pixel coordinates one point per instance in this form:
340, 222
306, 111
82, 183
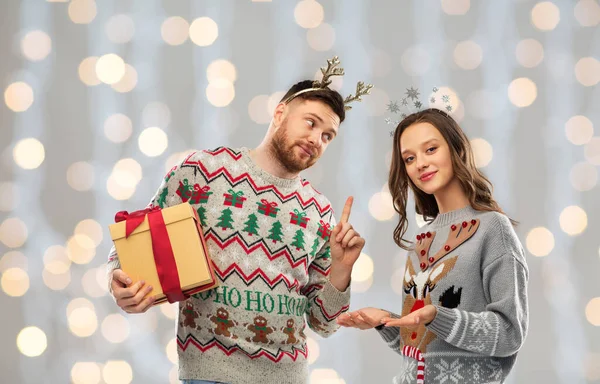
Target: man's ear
279, 113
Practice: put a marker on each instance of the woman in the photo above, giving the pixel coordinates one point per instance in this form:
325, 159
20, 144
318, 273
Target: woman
465, 312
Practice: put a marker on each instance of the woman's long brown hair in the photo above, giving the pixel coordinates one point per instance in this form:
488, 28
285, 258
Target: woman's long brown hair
475, 185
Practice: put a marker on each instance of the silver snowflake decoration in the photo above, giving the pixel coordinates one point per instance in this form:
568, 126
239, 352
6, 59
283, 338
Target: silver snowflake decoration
435, 89
445, 98
403, 115
432, 100
388, 120
393, 107
404, 102
392, 133
418, 104
412, 93
449, 108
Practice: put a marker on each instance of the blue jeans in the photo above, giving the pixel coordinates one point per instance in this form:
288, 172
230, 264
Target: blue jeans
200, 382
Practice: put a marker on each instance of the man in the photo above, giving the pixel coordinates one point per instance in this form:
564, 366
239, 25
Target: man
281, 260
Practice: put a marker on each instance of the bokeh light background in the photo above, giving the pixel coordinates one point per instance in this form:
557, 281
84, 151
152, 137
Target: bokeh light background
100, 98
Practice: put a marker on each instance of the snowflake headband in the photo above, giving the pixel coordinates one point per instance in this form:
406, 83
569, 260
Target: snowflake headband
332, 70
412, 104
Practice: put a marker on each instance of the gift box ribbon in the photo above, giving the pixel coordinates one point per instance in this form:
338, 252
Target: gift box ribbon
164, 259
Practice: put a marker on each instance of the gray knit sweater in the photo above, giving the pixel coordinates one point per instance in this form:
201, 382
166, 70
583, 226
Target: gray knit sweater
471, 266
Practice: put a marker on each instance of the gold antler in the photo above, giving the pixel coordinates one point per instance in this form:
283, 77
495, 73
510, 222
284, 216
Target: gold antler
361, 90
330, 71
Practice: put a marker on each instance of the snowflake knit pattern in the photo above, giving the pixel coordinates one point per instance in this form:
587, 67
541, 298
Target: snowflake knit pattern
268, 239
471, 266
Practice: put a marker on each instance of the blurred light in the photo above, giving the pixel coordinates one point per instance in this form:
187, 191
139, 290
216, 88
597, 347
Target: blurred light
540, 241
175, 30
363, 268
221, 69
376, 102
56, 281
32, 341
128, 81
361, 286
18, 96
81, 316
153, 141
587, 71
171, 351
57, 1
127, 172
321, 38
592, 311
82, 11
204, 31
117, 191
170, 310
13, 259
272, 103
81, 249
530, 53
156, 114
309, 13
80, 176
90, 285
29, 153
220, 92
56, 259
325, 376
579, 129
381, 63
120, 29
416, 60
573, 220
15, 282
583, 176
8, 196
522, 92
591, 151
313, 350
174, 375
456, 7
258, 109
587, 13
144, 325
381, 206
13, 232
91, 228
102, 279
545, 16
468, 54
117, 372
110, 68
115, 328
87, 71
118, 128
36, 45
483, 152
85, 373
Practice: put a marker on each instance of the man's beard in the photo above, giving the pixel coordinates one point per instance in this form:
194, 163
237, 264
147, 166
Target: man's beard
284, 152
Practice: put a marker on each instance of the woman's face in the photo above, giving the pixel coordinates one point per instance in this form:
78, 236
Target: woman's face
426, 156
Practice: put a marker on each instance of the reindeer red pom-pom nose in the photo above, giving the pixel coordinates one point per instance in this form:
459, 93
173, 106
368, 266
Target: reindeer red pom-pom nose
473, 222
422, 252
431, 259
453, 227
464, 224
428, 234
418, 237
423, 265
447, 248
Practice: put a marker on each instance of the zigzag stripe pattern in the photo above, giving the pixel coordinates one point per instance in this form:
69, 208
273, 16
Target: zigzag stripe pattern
330, 317
245, 177
260, 244
274, 357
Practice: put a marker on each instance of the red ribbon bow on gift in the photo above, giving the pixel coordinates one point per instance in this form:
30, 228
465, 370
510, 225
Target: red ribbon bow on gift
272, 203
325, 225
166, 267
203, 189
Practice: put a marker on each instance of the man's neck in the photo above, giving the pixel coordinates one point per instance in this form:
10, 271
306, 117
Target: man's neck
267, 161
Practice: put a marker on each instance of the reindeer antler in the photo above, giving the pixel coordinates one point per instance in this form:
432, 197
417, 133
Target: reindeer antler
330, 71
361, 90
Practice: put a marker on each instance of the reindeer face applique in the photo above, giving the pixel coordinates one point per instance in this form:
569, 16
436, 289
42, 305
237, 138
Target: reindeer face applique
419, 286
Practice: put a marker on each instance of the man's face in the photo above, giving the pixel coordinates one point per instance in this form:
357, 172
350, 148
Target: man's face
304, 133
